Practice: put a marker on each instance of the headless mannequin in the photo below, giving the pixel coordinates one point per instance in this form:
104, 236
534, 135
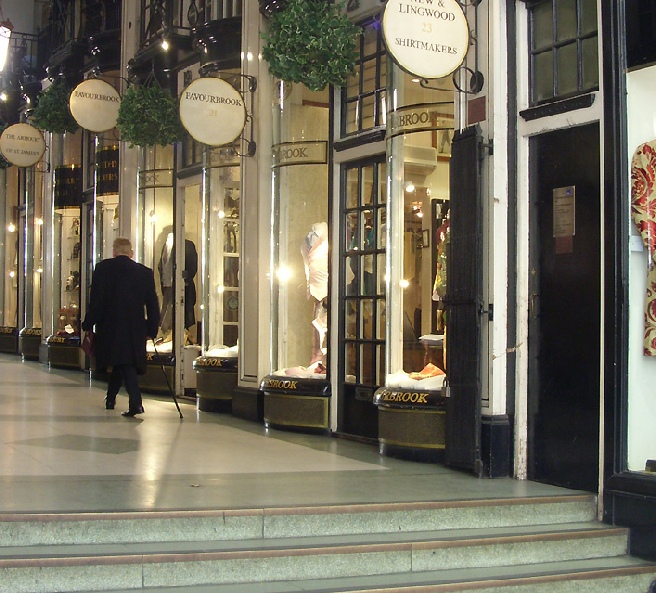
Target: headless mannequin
315, 257
165, 268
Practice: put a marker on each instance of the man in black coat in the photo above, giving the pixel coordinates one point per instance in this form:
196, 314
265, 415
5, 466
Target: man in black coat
121, 291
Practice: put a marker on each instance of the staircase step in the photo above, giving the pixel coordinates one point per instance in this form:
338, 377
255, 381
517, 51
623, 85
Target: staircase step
235, 524
618, 575
157, 569
526, 545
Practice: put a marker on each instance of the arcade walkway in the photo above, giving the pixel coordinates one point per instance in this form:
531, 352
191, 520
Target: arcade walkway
63, 452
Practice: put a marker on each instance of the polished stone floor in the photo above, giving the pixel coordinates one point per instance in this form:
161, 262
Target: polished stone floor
63, 452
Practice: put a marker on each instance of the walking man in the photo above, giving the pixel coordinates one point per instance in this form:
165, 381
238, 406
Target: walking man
124, 309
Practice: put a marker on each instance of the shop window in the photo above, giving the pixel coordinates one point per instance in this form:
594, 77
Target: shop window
191, 154
9, 246
563, 49
363, 97
640, 32
364, 272
300, 232
222, 242
155, 242
420, 131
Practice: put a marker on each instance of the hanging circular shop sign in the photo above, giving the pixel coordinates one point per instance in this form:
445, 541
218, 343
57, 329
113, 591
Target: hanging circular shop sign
427, 38
22, 145
212, 111
94, 104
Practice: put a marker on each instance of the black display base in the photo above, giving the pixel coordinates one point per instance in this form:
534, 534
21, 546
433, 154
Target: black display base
411, 453
248, 403
630, 501
420, 433
216, 380
298, 404
64, 355
296, 412
28, 345
9, 340
155, 380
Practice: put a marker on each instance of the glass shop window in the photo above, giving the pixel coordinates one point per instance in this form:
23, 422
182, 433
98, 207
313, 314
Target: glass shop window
66, 255
420, 129
300, 231
641, 138
33, 248
364, 97
155, 247
9, 185
221, 249
563, 49
364, 271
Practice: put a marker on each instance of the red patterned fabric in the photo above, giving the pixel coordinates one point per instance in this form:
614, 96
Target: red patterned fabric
643, 213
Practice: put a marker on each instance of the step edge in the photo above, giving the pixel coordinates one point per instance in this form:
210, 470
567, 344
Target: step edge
296, 510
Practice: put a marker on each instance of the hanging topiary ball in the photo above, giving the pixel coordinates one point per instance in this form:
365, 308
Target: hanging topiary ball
312, 42
149, 115
52, 113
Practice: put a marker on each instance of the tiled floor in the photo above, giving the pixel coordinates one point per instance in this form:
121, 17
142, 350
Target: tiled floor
63, 452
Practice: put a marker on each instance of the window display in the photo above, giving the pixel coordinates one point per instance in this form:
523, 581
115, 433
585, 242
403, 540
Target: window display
420, 129
221, 241
641, 449
300, 232
9, 281
66, 257
155, 247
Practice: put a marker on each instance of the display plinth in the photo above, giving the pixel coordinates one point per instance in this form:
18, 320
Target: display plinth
216, 379
29, 340
411, 424
248, 403
64, 352
159, 369
294, 403
9, 339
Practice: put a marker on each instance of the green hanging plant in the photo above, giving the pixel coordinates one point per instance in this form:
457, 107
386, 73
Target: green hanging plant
52, 113
312, 42
149, 115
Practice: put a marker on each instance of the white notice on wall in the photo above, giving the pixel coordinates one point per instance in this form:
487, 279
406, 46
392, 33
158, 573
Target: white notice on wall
564, 212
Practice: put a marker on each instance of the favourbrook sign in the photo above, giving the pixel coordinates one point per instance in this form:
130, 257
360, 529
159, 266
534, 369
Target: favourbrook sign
427, 38
212, 111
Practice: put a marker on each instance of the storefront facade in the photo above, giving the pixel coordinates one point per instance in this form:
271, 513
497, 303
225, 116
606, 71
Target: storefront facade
439, 264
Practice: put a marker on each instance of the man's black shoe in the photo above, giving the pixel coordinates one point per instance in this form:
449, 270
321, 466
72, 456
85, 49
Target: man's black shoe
109, 405
130, 413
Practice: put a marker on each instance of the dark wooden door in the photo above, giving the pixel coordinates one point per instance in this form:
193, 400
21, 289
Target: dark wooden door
564, 308
464, 304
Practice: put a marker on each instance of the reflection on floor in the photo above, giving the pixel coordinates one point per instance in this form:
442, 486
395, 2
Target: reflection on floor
62, 451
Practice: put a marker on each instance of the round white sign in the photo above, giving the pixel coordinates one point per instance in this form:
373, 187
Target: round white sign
94, 104
22, 145
212, 111
427, 38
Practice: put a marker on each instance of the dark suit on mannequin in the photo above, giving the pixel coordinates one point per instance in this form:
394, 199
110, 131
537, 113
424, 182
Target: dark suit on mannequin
121, 289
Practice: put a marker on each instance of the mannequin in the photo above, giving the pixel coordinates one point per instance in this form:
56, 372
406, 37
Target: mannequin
165, 268
315, 257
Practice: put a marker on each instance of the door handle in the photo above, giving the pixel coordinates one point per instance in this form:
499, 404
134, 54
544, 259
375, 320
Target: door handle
534, 305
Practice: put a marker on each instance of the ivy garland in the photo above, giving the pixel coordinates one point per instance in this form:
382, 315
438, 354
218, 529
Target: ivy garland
312, 42
149, 115
52, 113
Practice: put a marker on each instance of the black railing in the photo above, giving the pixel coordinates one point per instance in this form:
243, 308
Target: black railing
100, 16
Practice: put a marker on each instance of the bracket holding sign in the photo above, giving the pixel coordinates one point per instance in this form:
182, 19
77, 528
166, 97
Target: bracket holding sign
214, 113
431, 40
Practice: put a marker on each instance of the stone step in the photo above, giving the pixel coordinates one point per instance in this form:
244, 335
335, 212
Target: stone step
79, 570
23, 529
617, 575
